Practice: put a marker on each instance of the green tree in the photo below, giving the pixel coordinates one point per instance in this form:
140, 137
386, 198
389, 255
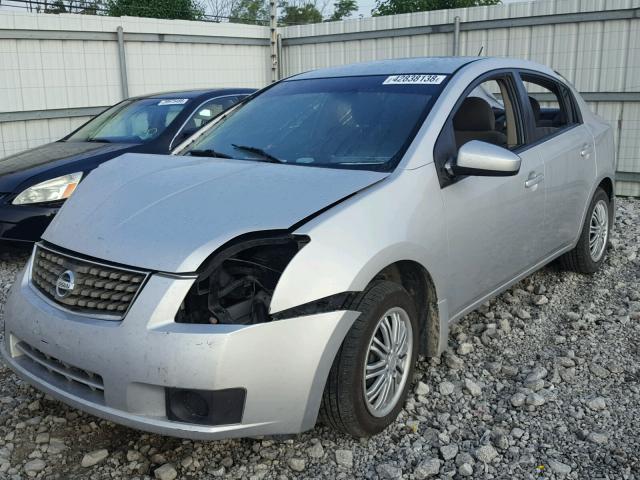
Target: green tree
250, 11
343, 9
57, 6
393, 7
87, 7
291, 14
169, 9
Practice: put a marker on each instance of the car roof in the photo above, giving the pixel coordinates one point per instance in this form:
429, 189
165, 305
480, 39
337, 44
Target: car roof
444, 65
195, 93
427, 65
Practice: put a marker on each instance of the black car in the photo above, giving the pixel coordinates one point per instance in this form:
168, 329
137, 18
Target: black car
35, 183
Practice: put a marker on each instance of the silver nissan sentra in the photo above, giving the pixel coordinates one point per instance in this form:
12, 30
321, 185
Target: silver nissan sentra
291, 260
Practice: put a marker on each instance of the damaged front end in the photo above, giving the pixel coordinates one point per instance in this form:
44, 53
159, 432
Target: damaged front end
237, 282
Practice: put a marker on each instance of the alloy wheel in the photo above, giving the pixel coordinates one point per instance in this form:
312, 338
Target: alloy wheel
598, 230
388, 360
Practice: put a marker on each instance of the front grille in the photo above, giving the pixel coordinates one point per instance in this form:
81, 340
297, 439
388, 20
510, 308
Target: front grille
54, 366
85, 286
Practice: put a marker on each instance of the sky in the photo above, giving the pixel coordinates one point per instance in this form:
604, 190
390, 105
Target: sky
365, 7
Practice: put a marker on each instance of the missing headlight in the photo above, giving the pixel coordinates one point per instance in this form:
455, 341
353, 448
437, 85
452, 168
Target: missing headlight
237, 285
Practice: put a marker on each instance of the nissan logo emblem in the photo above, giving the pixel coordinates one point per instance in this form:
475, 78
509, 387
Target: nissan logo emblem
65, 284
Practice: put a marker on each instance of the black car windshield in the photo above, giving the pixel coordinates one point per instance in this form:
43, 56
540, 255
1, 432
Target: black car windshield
131, 121
362, 122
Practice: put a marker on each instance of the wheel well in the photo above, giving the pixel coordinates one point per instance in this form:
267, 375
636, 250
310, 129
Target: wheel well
607, 185
417, 281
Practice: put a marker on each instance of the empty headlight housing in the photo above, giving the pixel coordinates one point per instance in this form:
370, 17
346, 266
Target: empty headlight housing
237, 283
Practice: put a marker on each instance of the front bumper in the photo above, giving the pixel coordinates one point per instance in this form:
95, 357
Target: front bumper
24, 223
282, 365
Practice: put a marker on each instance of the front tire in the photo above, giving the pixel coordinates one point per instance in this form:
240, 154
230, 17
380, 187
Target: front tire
590, 251
372, 371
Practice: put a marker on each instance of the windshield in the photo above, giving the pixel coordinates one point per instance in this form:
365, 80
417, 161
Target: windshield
348, 122
131, 121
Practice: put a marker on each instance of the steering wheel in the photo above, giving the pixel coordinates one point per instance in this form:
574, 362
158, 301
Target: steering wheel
149, 133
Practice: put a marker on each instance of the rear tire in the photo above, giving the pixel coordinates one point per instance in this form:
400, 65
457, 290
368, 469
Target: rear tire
591, 249
385, 308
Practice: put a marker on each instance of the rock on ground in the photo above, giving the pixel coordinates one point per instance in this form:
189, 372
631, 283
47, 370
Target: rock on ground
296, 464
344, 458
165, 472
559, 467
388, 471
486, 453
427, 468
95, 457
32, 467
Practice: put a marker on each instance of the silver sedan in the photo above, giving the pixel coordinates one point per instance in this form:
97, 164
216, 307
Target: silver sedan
291, 260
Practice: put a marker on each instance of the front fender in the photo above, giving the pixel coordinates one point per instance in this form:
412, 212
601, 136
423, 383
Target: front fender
398, 219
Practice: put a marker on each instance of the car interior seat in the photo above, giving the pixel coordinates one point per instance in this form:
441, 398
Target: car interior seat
475, 120
543, 127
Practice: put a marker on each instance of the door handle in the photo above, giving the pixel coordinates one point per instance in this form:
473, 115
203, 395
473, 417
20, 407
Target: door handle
586, 150
534, 180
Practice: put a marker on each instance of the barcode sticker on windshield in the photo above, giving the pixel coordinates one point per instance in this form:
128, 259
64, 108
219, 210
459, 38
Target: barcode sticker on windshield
415, 79
174, 101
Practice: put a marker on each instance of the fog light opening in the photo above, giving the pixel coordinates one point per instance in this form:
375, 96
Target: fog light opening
189, 406
205, 407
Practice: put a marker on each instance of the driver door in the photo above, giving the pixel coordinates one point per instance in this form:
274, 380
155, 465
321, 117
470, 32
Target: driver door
494, 223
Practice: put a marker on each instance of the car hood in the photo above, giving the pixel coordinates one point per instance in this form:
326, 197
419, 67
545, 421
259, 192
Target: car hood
169, 213
17, 168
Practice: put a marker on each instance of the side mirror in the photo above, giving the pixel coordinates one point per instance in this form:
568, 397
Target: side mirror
484, 159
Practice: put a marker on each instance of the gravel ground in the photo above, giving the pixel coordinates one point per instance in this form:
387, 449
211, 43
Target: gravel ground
542, 382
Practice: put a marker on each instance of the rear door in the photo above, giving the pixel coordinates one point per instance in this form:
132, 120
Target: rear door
494, 224
556, 133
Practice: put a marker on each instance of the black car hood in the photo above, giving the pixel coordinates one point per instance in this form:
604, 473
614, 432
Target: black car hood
17, 168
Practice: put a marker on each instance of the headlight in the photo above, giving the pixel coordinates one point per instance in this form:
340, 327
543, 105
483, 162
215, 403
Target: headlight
50, 190
237, 283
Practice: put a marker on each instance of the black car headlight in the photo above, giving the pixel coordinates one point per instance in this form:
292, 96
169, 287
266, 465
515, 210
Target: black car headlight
56, 189
236, 284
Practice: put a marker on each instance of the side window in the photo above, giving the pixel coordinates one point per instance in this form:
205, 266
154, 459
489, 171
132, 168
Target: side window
211, 109
207, 112
488, 114
172, 113
551, 106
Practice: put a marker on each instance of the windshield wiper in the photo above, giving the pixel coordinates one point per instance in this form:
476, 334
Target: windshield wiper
98, 140
208, 153
267, 156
